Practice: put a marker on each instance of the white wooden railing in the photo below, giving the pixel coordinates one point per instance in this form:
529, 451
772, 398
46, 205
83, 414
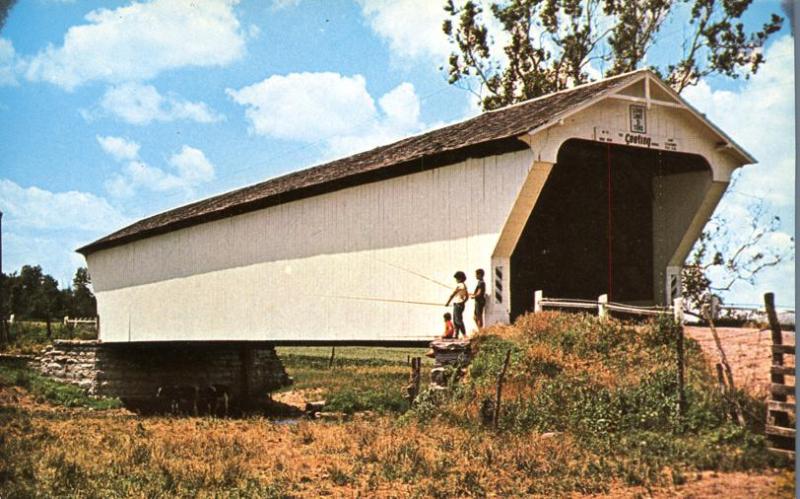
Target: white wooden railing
677, 309
603, 306
75, 321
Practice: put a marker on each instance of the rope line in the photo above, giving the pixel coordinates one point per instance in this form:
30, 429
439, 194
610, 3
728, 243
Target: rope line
386, 300
398, 267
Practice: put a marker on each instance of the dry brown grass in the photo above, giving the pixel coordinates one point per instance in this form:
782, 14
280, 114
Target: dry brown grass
49, 451
95, 454
114, 455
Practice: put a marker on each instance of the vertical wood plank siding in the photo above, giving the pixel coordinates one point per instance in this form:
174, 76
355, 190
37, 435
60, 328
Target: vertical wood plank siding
317, 268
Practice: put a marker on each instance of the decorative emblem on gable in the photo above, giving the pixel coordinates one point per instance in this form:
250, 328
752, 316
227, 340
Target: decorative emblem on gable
638, 119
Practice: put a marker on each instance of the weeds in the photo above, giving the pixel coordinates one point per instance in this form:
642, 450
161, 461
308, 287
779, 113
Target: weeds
604, 394
17, 373
29, 337
361, 379
613, 388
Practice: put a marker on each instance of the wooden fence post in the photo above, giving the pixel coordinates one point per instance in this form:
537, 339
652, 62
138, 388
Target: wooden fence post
498, 393
412, 390
677, 310
681, 376
721, 379
330, 361
537, 301
602, 307
417, 375
778, 425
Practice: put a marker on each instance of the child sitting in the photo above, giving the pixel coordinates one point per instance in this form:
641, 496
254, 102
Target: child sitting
449, 329
449, 332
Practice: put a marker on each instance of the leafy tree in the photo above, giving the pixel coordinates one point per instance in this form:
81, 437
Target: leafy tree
733, 256
5, 7
30, 294
48, 302
548, 45
83, 302
521, 49
26, 293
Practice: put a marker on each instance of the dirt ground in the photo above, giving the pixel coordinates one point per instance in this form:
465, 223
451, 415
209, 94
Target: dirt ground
771, 484
748, 351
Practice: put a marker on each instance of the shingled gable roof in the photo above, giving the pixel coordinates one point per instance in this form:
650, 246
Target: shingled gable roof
490, 128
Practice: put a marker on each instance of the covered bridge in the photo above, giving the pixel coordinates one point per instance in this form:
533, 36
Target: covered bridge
602, 188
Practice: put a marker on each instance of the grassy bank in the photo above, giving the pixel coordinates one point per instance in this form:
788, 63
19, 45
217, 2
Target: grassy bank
30, 337
612, 390
359, 378
589, 408
17, 373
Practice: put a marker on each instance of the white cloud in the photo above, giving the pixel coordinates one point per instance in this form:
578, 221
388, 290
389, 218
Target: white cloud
8, 62
138, 174
760, 117
141, 104
284, 4
138, 41
306, 106
190, 168
119, 148
329, 108
253, 32
44, 228
413, 28
401, 106
192, 165
35, 208
54, 253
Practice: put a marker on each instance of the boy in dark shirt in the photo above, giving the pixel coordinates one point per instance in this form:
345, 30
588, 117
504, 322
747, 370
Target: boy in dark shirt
480, 298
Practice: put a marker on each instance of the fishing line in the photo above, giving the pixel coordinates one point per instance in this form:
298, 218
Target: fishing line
387, 300
411, 272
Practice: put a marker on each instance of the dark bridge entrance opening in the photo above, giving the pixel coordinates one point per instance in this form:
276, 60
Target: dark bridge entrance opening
591, 230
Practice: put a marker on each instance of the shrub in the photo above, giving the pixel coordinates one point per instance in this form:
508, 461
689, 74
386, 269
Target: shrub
350, 400
14, 372
611, 386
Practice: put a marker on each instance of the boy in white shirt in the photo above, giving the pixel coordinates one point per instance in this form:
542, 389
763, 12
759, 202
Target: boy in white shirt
459, 298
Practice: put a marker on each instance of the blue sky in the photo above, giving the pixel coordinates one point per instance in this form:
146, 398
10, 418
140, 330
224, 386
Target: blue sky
116, 110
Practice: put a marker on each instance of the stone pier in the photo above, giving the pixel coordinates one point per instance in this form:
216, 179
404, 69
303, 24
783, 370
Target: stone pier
147, 375
449, 354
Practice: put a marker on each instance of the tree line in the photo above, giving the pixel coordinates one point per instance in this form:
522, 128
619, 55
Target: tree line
30, 294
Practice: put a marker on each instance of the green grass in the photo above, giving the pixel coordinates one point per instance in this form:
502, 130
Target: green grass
360, 379
17, 373
613, 389
30, 337
607, 388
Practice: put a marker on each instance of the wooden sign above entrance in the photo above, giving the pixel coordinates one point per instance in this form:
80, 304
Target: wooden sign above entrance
635, 139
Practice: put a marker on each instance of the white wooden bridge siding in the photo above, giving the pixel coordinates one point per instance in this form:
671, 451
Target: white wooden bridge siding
330, 267
286, 272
